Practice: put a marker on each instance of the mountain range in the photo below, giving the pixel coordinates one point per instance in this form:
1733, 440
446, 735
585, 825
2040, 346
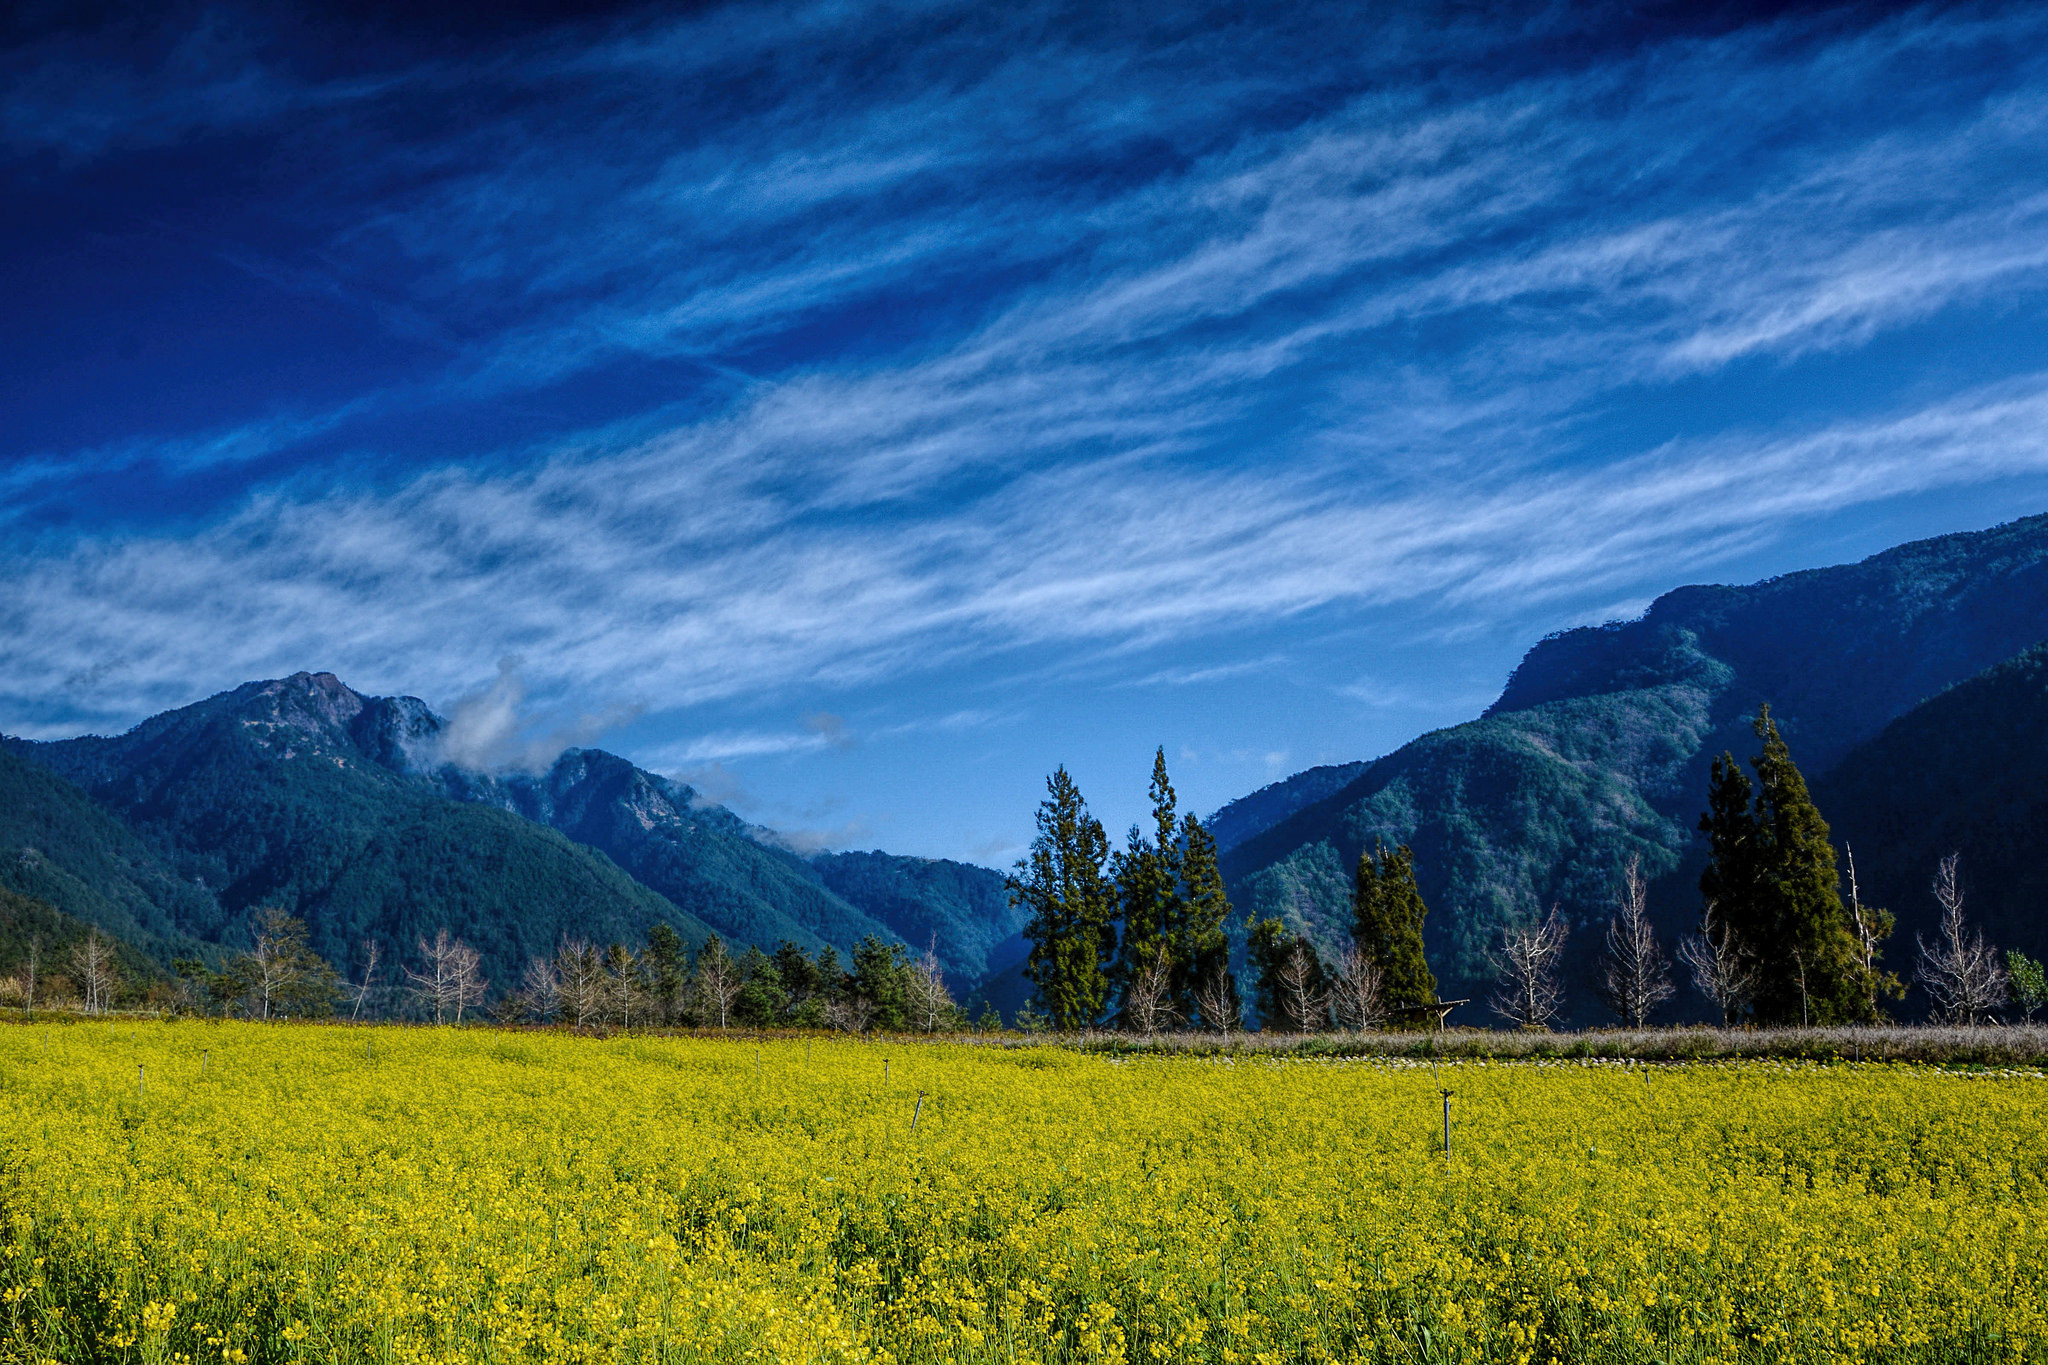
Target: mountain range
302, 793
1907, 685
1912, 687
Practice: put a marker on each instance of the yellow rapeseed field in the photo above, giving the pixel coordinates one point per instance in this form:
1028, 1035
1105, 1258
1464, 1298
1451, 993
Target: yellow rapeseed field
277, 1193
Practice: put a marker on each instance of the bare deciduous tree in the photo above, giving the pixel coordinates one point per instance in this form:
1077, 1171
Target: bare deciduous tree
1530, 991
579, 981
1635, 977
540, 989
850, 1012
931, 1004
1357, 994
1217, 999
452, 977
622, 985
28, 972
1719, 970
470, 982
718, 982
92, 967
1959, 970
369, 975
1301, 989
1148, 998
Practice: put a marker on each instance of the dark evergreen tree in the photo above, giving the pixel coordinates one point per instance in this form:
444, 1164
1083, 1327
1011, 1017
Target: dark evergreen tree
881, 976
1773, 882
668, 970
1070, 903
1201, 949
800, 980
762, 1001
1387, 915
1149, 900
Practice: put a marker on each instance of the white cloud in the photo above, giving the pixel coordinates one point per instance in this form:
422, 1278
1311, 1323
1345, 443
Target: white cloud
1348, 359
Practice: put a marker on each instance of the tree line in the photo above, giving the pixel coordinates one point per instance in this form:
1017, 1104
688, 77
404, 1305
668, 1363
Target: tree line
657, 983
1135, 938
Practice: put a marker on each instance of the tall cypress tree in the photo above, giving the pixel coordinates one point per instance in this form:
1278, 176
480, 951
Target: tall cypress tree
1387, 927
1070, 907
1201, 949
1148, 876
1774, 885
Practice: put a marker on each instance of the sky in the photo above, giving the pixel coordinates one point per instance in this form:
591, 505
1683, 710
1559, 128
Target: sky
857, 410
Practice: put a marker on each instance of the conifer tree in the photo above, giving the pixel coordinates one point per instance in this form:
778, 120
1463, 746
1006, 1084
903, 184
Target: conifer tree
1773, 882
1201, 949
1149, 898
1387, 927
1070, 907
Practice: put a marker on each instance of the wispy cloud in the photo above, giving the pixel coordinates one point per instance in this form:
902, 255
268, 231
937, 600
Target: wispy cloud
1128, 338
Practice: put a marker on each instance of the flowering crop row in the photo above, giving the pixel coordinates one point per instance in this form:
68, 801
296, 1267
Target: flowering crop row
241, 1192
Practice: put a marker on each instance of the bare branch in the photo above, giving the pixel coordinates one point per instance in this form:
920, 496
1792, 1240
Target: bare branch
1217, 999
1358, 995
1148, 999
1720, 972
1959, 970
1635, 978
1530, 993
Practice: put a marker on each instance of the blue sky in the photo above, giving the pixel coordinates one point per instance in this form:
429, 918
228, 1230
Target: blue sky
859, 410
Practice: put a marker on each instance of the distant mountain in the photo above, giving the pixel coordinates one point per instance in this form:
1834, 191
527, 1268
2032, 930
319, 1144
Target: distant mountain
1964, 772
1269, 805
267, 795
1599, 745
303, 793
739, 879
962, 909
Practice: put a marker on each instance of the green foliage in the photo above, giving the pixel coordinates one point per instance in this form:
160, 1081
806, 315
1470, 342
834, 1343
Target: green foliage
33, 927
1201, 948
1149, 901
1773, 883
881, 974
1600, 744
1069, 905
58, 847
2026, 983
1387, 919
763, 1003
1518, 809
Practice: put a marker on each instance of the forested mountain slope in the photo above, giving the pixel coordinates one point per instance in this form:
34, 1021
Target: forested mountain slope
263, 796
59, 848
1598, 747
303, 793
1964, 772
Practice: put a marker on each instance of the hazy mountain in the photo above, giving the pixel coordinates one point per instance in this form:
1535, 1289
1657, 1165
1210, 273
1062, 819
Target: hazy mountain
1599, 745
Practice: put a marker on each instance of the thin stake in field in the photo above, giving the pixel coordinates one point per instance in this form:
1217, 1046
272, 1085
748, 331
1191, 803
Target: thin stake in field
139, 1091
915, 1112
